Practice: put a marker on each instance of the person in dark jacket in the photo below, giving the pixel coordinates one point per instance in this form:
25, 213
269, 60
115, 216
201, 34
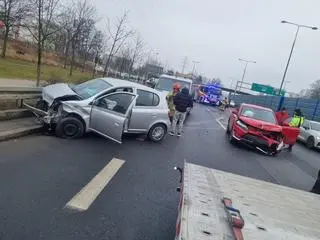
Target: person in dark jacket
316, 186
182, 101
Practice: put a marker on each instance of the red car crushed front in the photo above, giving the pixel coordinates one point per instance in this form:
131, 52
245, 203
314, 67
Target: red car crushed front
256, 126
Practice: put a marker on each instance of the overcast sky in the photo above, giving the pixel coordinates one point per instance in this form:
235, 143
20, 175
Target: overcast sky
217, 33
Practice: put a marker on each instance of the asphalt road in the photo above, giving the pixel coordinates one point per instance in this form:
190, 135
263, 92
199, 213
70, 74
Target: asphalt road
40, 174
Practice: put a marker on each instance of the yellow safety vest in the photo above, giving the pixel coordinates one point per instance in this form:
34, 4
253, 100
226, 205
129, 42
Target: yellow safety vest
296, 121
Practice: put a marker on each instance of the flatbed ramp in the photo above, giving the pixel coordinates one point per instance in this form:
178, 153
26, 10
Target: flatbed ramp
270, 211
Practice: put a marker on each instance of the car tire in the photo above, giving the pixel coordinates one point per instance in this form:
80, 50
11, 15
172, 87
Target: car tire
231, 138
157, 132
310, 142
228, 126
70, 128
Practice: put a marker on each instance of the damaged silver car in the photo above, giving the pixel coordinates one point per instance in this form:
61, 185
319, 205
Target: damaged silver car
107, 106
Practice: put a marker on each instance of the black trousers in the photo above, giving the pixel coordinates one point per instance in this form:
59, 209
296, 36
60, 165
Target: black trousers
316, 186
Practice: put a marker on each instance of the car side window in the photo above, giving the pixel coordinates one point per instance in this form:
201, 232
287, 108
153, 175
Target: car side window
146, 98
120, 89
119, 102
123, 89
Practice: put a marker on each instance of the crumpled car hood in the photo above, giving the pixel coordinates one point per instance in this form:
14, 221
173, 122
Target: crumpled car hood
261, 124
51, 92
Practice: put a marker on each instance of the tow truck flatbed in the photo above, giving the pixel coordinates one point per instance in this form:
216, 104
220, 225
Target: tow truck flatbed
270, 211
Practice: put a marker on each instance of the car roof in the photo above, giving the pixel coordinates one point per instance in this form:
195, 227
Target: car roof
313, 121
255, 106
177, 78
115, 82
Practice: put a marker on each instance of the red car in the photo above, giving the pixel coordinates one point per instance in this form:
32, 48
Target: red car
257, 127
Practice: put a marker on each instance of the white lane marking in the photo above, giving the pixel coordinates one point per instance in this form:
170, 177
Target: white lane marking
83, 199
218, 120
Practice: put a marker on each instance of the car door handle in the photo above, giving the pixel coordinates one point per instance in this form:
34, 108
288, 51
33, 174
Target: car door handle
117, 124
154, 116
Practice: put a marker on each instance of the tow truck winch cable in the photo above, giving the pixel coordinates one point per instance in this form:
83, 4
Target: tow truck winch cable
234, 218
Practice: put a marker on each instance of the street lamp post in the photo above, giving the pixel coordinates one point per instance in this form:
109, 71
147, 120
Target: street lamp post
244, 71
293, 44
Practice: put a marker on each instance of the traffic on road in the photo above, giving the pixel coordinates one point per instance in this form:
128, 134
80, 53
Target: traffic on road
91, 188
159, 120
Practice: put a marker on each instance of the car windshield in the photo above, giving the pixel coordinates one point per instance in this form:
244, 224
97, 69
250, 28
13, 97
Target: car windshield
165, 84
90, 88
315, 126
259, 114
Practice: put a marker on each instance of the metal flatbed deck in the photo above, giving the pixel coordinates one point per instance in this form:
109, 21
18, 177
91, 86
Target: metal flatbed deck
270, 211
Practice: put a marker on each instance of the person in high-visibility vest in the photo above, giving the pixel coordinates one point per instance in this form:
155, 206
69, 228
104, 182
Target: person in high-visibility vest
296, 121
169, 98
223, 104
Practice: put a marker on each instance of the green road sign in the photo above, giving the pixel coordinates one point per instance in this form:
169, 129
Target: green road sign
266, 89
262, 88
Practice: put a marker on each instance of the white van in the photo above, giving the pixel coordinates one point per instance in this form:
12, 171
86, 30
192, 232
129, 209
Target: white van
166, 82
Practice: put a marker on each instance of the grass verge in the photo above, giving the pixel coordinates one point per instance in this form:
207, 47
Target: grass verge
18, 69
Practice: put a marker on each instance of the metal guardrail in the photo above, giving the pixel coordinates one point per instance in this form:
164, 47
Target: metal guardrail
14, 97
20, 90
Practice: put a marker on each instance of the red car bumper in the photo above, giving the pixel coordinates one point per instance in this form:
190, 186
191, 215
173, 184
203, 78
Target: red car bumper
256, 139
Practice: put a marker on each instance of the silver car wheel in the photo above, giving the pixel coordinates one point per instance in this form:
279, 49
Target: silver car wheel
158, 133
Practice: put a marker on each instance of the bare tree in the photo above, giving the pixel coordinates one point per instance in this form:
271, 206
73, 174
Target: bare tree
314, 91
87, 42
97, 44
124, 61
67, 18
118, 37
11, 13
41, 28
137, 52
84, 19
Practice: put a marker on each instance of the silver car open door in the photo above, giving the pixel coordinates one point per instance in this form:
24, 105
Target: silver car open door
109, 114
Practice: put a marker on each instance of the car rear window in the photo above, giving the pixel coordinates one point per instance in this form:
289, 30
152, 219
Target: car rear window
258, 114
147, 98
